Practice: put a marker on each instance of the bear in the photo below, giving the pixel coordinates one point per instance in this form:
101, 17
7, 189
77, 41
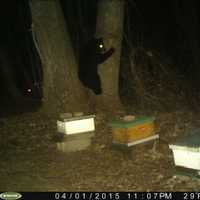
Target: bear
93, 54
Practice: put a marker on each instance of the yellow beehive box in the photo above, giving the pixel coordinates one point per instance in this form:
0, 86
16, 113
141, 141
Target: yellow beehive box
130, 131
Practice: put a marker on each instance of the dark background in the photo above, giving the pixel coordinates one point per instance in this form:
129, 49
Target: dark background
152, 25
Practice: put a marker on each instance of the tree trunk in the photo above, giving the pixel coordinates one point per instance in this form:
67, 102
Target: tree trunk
61, 87
110, 19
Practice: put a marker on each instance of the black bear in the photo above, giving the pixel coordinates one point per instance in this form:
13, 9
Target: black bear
93, 53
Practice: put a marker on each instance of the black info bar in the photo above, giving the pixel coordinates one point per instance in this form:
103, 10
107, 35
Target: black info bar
99, 195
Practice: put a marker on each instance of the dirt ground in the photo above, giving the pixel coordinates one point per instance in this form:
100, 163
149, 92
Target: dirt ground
30, 161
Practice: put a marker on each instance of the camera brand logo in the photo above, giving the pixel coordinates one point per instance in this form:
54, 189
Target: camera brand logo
10, 195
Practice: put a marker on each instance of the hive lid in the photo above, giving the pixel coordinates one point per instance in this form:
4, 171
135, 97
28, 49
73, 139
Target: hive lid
119, 123
76, 118
190, 142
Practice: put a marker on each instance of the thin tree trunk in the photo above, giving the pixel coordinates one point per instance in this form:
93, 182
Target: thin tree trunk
62, 89
110, 19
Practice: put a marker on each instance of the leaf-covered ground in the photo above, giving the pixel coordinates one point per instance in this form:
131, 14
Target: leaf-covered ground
30, 161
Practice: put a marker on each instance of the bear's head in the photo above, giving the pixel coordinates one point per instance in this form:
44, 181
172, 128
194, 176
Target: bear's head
99, 45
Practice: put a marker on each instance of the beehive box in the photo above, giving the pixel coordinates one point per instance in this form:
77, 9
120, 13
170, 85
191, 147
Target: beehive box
75, 125
131, 131
77, 142
186, 151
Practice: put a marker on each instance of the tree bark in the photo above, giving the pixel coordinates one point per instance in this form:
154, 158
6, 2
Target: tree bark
61, 88
110, 19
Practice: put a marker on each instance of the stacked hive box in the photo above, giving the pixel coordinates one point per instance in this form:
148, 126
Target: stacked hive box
133, 132
77, 131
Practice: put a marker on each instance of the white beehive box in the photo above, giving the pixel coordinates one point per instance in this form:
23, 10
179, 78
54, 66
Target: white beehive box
75, 125
186, 151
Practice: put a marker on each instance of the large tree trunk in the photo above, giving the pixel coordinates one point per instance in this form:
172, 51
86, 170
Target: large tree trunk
62, 89
110, 19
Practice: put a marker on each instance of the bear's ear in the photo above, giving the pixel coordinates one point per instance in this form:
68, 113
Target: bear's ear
99, 40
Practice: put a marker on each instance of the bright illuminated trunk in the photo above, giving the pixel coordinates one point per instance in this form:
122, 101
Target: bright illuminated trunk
110, 19
62, 89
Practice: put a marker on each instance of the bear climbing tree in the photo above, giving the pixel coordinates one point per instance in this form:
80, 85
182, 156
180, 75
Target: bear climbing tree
62, 89
93, 53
